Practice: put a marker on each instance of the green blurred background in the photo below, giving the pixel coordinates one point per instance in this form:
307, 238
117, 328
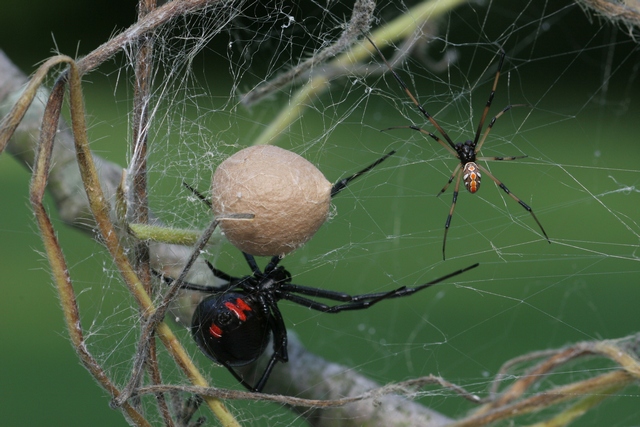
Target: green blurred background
581, 178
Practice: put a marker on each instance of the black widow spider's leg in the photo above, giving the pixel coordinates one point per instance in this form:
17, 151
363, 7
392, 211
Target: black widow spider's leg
516, 198
198, 194
273, 263
220, 274
342, 183
287, 288
238, 377
253, 265
318, 306
356, 302
202, 288
279, 334
265, 375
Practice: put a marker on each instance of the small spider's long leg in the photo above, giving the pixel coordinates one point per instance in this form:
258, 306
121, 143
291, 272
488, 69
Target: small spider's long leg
410, 95
198, 194
342, 183
364, 301
489, 101
491, 123
514, 197
426, 132
453, 175
491, 159
453, 207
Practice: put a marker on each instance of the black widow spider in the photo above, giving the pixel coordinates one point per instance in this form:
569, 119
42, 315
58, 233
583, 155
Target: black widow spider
466, 151
233, 325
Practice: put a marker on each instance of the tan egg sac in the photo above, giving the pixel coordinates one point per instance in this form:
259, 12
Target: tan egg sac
288, 195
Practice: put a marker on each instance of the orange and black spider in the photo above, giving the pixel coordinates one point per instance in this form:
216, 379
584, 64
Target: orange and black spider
466, 152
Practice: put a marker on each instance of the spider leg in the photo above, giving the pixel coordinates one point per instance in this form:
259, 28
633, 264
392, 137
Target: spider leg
198, 194
342, 183
287, 288
453, 207
351, 302
514, 197
490, 126
490, 159
306, 302
253, 265
233, 281
453, 175
241, 380
279, 333
360, 302
404, 291
220, 274
265, 375
273, 263
288, 291
488, 104
410, 95
195, 287
426, 132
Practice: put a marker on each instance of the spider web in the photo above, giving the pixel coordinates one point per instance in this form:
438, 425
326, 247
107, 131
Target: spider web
577, 75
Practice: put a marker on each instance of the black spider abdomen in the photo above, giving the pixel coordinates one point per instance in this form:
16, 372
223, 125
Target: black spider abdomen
230, 329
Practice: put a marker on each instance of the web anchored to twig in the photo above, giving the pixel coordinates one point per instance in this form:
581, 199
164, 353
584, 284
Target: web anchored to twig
320, 90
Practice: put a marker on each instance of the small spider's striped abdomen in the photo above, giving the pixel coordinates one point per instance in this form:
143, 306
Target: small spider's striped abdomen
471, 177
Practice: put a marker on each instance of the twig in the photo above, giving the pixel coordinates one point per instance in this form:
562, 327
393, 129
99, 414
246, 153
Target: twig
360, 23
398, 29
